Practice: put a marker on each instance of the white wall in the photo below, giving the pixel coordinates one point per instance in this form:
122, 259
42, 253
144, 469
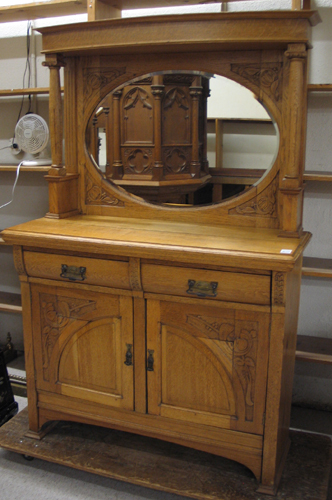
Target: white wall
313, 383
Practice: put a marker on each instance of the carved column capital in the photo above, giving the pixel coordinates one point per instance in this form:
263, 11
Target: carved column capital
158, 91
298, 55
54, 61
117, 94
196, 92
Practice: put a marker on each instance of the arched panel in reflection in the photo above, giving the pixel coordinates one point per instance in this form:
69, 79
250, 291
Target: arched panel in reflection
182, 138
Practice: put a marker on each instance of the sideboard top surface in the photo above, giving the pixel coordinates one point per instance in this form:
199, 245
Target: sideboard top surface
223, 245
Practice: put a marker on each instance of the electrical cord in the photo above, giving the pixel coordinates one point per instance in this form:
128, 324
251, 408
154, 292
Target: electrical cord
26, 70
14, 185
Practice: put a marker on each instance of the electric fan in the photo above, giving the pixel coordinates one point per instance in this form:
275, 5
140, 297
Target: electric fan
32, 135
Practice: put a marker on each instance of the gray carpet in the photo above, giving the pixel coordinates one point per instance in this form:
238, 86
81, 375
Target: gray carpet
33, 480
39, 480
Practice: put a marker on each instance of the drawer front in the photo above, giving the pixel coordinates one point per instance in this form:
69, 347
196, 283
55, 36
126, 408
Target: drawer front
101, 272
215, 285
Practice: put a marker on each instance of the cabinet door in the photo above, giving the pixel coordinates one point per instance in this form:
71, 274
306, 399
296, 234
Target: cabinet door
82, 340
208, 365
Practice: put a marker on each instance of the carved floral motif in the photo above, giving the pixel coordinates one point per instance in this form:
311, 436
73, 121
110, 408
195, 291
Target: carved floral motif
267, 77
96, 195
213, 328
243, 344
56, 313
264, 205
279, 282
95, 79
18, 260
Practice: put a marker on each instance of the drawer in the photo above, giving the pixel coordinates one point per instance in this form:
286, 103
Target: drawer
215, 285
111, 273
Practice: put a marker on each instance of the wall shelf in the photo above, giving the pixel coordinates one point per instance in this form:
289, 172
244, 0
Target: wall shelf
319, 175
39, 10
314, 349
314, 266
246, 176
101, 9
28, 91
10, 302
319, 87
12, 168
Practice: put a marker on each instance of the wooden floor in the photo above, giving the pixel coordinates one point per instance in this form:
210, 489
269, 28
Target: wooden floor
176, 469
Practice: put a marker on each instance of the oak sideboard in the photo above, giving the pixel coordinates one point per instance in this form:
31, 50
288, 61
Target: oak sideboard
170, 316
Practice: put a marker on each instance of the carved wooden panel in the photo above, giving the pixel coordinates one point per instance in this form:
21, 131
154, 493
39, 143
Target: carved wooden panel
96, 195
95, 79
57, 312
263, 205
138, 161
82, 338
208, 361
18, 260
279, 286
184, 355
176, 160
135, 273
137, 115
176, 116
240, 337
267, 76
82, 362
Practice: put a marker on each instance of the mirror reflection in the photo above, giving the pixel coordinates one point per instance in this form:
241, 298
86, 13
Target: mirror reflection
182, 138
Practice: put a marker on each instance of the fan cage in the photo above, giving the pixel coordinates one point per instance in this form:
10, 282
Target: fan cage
31, 133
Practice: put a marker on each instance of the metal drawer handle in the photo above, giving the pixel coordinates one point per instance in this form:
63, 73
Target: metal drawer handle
202, 288
73, 273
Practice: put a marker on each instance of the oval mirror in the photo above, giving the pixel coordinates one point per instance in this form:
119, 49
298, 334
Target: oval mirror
182, 138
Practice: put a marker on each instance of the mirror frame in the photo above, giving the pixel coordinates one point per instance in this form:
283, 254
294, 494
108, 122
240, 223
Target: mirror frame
186, 188
264, 51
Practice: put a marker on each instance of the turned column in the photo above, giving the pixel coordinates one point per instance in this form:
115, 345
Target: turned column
107, 135
157, 89
117, 167
94, 139
195, 92
292, 181
54, 63
206, 95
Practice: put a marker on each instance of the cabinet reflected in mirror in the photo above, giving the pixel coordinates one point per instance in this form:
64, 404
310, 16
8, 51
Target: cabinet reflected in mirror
182, 138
